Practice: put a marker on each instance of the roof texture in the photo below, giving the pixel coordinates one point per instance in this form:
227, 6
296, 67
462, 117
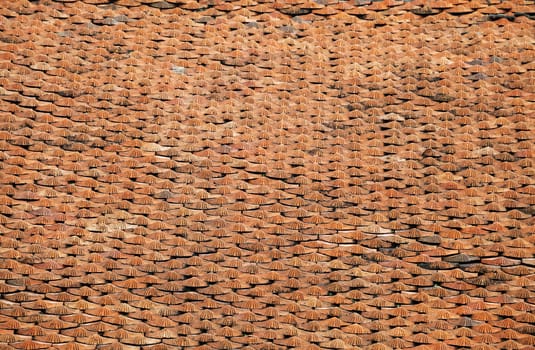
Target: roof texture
256, 175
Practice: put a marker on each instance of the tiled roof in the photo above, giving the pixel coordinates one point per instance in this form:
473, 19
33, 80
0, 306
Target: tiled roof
256, 175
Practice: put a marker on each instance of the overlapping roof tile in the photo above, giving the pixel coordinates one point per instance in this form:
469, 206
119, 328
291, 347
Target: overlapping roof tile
258, 175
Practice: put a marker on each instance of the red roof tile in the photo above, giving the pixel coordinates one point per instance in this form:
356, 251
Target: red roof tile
297, 174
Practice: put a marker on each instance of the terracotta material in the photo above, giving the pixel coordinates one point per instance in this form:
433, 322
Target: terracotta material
258, 175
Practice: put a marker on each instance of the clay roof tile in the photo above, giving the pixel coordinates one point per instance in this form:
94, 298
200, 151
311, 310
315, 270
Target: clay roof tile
153, 179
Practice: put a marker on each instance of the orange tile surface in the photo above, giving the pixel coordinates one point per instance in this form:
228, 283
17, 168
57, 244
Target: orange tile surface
267, 175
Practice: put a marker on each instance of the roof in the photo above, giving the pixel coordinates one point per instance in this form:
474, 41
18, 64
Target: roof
259, 175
